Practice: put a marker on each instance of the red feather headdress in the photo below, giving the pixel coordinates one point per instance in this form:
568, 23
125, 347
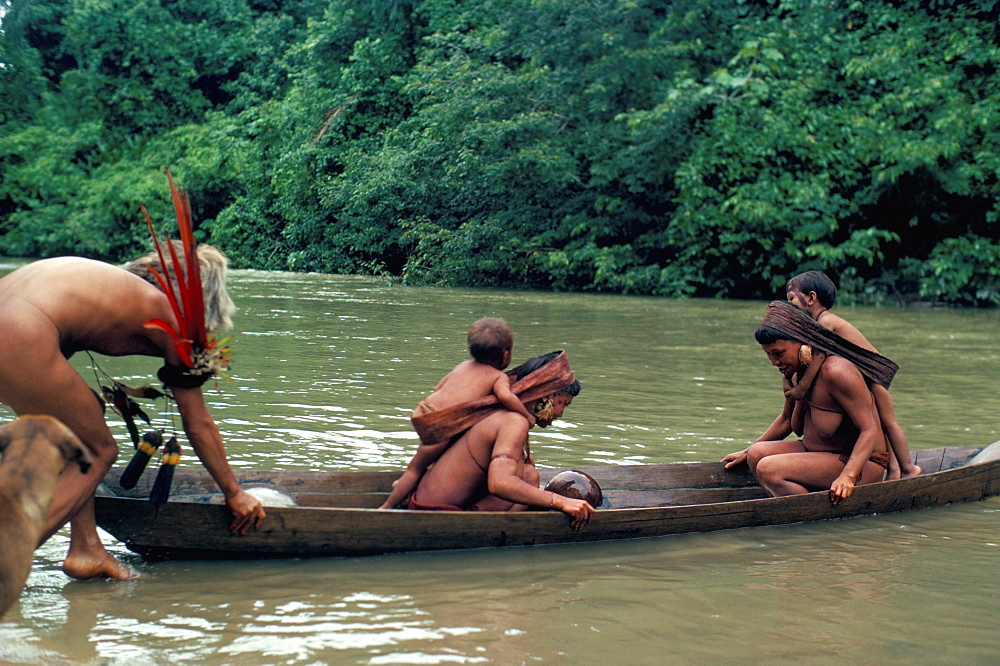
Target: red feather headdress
198, 349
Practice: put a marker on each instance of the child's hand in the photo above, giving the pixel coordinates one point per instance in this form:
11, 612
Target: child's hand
401, 488
795, 392
531, 420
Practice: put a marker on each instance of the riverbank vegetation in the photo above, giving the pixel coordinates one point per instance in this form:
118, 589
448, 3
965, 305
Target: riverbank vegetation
688, 148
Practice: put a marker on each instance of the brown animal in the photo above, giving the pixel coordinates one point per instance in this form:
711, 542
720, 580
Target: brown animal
35, 451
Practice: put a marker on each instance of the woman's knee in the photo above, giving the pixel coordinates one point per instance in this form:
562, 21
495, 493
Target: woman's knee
755, 454
768, 470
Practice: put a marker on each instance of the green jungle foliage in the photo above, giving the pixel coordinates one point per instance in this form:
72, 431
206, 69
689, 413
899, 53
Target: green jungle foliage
686, 148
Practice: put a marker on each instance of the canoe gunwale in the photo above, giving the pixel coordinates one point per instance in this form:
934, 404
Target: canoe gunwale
198, 530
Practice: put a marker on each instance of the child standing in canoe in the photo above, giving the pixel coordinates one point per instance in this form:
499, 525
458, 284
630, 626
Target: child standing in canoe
491, 345
815, 293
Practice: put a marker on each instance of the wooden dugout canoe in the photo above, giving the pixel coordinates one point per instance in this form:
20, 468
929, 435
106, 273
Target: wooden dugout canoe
335, 514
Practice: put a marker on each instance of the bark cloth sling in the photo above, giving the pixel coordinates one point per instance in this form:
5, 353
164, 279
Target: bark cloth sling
445, 425
796, 323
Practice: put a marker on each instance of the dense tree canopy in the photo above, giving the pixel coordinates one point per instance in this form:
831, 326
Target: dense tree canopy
694, 147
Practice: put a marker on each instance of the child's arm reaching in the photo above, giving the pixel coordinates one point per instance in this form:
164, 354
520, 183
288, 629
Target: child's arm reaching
501, 389
401, 488
407, 483
802, 387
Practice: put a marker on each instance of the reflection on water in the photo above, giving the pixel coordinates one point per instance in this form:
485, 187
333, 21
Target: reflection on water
327, 369
919, 587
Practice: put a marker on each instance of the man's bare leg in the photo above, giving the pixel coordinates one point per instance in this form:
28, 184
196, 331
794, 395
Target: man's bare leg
901, 466
87, 557
892, 472
900, 451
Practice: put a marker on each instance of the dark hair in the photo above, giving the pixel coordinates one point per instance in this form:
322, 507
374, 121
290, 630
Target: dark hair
489, 338
816, 281
535, 362
765, 335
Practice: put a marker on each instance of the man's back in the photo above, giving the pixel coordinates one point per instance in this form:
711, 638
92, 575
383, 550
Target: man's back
93, 306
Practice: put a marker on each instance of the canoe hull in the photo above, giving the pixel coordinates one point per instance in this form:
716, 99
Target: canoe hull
182, 529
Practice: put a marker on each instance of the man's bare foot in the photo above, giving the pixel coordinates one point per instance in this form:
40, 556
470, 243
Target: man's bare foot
914, 470
84, 568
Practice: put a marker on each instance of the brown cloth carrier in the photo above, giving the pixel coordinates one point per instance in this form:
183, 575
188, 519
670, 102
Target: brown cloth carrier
793, 321
444, 425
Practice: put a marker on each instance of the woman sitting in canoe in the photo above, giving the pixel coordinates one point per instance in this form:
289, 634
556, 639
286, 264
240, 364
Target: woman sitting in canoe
842, 443
489, 467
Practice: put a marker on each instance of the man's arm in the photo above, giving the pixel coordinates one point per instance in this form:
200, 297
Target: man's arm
805, 382
202, 432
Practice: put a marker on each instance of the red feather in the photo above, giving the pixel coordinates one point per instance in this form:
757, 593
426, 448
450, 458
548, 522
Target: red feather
194, 302
164, 282
189, 309
182, 345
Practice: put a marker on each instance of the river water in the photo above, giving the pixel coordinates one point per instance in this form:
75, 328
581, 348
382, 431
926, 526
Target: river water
326, 371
